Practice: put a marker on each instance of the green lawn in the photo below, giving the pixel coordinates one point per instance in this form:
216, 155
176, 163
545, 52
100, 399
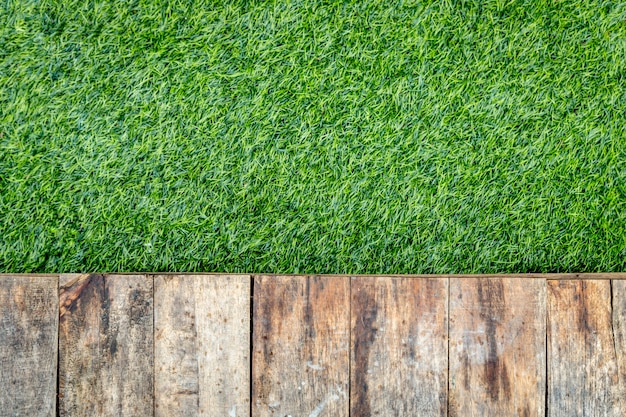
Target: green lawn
308, 136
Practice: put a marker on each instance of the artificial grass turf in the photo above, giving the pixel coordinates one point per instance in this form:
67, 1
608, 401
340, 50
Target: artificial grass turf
321, 137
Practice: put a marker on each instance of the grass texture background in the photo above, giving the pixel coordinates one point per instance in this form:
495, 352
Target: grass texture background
312, 136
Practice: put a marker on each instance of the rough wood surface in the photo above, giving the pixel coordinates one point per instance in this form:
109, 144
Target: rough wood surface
202, 345
322, 346
583, 377
28, 346
497, 347
619, 332
301, 338
399, 347
105, 346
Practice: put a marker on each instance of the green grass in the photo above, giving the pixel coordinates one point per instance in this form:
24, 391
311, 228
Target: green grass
312, 136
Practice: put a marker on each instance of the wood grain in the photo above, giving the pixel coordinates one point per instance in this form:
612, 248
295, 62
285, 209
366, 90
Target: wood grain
618, 300
322, 345
399, 347
28, 345
301, 337
202, 345
106, 346
583, 376
497, 347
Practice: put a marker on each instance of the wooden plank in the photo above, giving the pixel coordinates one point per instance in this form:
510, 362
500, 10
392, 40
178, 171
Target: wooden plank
583, 377
105, 345
202, 345
399, 347
497, 347
28, 345
618, 300
301, 336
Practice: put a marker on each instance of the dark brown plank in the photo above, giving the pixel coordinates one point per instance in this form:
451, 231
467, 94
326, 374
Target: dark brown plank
583, 377
106, 346
202, 345
301, 336
28, 345
399, 347
497, 347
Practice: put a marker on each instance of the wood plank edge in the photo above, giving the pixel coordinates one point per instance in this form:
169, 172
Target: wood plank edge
548, 276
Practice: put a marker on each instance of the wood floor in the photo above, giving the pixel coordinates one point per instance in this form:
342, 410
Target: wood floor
312, 346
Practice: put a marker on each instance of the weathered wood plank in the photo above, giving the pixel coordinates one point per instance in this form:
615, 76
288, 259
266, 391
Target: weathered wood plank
618, 292
583, 377
399, 347
106, 346
28, 345
497, 347
301, 338
202, 345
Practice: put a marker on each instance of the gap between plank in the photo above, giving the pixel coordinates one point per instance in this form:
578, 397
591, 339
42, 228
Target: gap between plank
57, 412
154, 370
448, 339
546, 363
251, 341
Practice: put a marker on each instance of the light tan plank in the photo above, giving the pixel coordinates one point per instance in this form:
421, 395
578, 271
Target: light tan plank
301, 338
202, 345
105, 346
497, 347
399, 347
583, 377
28, 345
